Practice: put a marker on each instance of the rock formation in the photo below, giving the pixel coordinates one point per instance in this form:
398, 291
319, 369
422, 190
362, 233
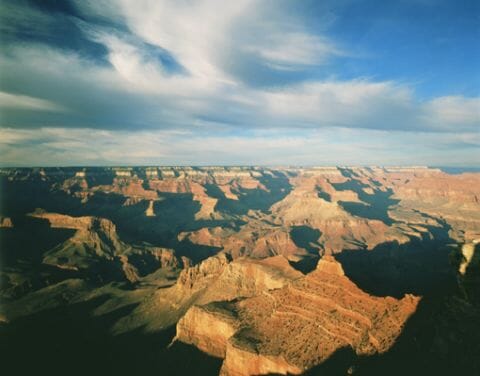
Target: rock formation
6, 222
268, 270
324, 310
96, 248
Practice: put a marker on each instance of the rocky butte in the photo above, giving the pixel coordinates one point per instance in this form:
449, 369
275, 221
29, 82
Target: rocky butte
240, 270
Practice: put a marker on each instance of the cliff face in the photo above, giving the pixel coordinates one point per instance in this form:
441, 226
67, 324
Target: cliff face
271, 270
220, 279
324, 309
6, 222
351, 207
208, 328
96, 249
242, 360
469, 272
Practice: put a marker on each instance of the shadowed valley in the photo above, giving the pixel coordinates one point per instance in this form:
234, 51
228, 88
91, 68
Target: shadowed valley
239, 271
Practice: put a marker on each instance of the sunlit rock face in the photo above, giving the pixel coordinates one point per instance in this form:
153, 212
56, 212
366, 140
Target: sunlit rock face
258, 270
324, 310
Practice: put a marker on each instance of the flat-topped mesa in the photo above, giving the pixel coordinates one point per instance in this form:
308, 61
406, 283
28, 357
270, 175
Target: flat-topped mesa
187, 171
77, 223
231, 174
167, 173
208, 236
412, 169
442, 189
70, 171
123, 172
351, 207
151, 172
95, 237
330, 172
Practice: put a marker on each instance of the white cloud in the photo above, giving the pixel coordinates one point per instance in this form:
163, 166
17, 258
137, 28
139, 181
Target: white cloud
138, 92
329, 146
456, 112
194, 32
290, 50
356, 103
374, 105
140, 101
27, 103
202, 35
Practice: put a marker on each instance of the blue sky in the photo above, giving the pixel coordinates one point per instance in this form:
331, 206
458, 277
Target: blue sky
250, 82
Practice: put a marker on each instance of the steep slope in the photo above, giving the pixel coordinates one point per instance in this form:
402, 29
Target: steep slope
239, 261
96, 249
217, 278
325, 310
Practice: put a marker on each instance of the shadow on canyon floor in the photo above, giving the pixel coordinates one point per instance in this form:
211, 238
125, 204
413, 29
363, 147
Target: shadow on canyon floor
307, 238
28, 240
420, 267
252, 199
374, 206
174, 213
441, 337
69, 340
338, 364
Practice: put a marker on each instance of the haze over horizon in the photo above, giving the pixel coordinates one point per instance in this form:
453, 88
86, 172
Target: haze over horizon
92, 83
239, 188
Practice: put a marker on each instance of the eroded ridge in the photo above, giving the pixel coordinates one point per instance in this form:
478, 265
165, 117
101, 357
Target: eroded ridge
293, 328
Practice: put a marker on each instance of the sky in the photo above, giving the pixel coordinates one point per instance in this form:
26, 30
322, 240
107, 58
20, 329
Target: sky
245, 82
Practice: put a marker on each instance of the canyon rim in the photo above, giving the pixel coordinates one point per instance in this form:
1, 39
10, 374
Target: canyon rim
239, 188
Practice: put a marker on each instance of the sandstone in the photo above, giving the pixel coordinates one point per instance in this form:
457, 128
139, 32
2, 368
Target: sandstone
6, 222
150, 212
324, 309
96, 243
207, 327
243, 260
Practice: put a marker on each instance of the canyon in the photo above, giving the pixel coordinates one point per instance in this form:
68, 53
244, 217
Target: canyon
240, 270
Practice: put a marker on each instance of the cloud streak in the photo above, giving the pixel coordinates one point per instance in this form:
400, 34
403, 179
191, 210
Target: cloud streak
211, 70
329, 146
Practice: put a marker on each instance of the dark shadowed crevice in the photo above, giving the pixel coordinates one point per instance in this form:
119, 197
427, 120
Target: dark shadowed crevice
373, 206
419, 267
340, 363
306, 265
324, 195
441, 338
306, 237
278, 187
70, 338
